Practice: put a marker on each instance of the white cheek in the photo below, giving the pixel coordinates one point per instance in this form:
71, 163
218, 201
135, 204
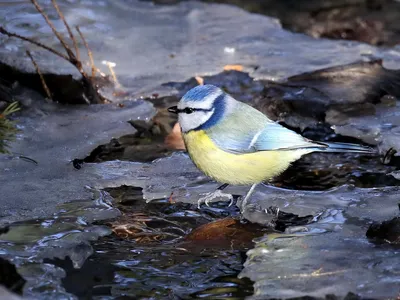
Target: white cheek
193, 120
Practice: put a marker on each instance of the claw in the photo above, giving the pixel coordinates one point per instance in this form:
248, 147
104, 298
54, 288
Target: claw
209, 197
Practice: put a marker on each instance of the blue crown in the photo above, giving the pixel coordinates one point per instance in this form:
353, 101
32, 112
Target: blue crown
199, 92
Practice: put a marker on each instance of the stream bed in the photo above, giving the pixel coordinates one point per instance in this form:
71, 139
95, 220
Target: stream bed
100, 201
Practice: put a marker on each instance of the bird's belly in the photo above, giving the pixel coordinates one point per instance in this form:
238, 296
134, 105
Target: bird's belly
226, 167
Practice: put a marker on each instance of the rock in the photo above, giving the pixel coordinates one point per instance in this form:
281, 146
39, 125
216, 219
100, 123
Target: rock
10, 279
143, 44
331, 95
387, 231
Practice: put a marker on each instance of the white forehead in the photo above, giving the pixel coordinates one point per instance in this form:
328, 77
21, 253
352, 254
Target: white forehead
205, 102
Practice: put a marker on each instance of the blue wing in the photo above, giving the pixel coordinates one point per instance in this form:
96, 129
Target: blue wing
247, 130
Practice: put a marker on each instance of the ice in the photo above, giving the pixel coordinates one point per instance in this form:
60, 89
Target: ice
331, 256
151, 45
382, 128
66, 234
142, 40
53, 135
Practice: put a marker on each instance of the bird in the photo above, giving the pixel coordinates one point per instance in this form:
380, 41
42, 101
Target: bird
235, 144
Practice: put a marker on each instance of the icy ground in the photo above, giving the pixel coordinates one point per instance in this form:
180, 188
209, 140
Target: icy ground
152, 45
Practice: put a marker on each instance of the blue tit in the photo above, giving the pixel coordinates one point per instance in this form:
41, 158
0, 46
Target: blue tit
234, 143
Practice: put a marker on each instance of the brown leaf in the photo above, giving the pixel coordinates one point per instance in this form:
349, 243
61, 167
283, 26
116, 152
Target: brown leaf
199, 80
174, 139
226, 232
233, 68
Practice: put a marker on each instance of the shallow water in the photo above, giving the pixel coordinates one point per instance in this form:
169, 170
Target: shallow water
151, 255
67, 233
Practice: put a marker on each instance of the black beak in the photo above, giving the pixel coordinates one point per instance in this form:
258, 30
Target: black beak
173, 109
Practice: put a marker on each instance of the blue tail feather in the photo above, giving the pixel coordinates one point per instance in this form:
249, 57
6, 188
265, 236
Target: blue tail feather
345, 147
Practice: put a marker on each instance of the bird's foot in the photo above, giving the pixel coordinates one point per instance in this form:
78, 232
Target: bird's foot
209, 197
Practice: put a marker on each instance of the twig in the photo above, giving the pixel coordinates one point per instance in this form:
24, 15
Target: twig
71, 35
45, 87
111, 66
88, 84
11, 34
90, 54
71, 55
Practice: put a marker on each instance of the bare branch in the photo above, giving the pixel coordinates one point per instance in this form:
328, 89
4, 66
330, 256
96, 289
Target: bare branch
11, 34
88, 84
45, 87
111, 66
71, 35
71, 55
93, 67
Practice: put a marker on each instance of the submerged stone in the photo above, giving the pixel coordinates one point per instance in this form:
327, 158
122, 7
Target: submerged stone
10, 278
387, 231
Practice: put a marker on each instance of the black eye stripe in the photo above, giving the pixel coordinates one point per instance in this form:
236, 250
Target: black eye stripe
189, 110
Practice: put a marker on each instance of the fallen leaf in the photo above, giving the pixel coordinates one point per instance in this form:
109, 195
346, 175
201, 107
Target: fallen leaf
233, 68
227, 232
171, 199
174, 139
199, 80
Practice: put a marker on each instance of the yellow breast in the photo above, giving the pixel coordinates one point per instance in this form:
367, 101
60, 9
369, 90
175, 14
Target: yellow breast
236, 169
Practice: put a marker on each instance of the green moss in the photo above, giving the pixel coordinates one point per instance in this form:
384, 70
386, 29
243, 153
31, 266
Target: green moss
7, 127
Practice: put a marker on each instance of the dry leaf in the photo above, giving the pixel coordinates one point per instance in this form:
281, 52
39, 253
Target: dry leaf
174, 139
233, 67
199, 80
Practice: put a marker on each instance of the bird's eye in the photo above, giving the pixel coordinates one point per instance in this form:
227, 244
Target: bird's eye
188, 110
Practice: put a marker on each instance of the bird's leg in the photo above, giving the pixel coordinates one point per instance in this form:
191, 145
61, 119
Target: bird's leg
248, 195
217, 194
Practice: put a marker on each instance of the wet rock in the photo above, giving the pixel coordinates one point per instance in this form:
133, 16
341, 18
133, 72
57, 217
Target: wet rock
5, 94
331, 253
88, 280
387, 231
52, 135
239, 84
359, 30
4, 230
154, 54
152, 139
10, 278
369, 21
63, 87
329, 95
148, 52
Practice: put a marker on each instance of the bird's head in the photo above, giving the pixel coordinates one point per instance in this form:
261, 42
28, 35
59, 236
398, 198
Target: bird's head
202, 107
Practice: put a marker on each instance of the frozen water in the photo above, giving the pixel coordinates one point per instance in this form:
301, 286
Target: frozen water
53, 135
156, 44
382, 128
330, 256
153, 44
65, 234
